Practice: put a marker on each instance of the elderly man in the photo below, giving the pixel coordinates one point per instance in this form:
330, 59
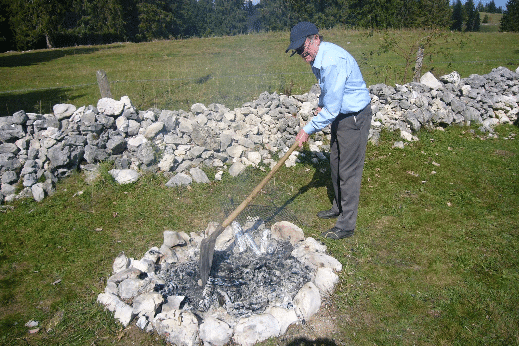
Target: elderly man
345, 104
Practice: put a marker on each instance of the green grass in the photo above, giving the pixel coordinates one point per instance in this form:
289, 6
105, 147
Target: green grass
227, 70
433, 261
494, 21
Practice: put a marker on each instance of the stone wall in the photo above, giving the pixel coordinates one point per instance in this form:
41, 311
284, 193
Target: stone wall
36, 150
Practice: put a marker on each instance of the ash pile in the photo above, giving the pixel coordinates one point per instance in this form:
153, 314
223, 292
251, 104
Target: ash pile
263, 280
245, 279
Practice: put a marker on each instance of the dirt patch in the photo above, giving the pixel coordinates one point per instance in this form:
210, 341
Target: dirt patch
505, 153
321, 329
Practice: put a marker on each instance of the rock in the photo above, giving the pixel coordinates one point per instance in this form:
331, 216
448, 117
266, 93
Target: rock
153, 130
121, 262
215, 332
63, 111
236, 169
256, 328
325, 280
287, 231
179, 327
173, 238
124, 176
285, 317
307, 301
453, 78
124, 314
431, 81
180, 179
147, 304
198, 175
110, 107
38, 192
130, 288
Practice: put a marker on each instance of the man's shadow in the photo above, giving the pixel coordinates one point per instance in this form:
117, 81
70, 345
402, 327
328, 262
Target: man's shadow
321, 178
307, 342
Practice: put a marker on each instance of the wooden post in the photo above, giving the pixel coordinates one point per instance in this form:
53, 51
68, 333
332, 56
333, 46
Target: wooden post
104, 85
418, 65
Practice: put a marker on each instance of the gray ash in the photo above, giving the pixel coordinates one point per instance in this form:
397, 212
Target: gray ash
242, 283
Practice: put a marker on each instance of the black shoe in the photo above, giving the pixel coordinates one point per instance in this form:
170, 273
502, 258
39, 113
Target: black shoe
327, 214
337, 233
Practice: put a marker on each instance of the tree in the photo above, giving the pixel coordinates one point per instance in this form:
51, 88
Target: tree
457, 16
35, 23
510, 19
6, 34
471, 15
155, 20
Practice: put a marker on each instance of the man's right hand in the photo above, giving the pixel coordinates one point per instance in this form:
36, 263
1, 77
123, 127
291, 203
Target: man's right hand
302, 137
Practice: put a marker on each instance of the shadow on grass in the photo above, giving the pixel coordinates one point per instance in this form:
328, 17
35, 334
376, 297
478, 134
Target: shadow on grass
37, 101
307, 342
39, 56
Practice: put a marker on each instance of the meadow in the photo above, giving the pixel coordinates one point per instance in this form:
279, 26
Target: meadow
434, 260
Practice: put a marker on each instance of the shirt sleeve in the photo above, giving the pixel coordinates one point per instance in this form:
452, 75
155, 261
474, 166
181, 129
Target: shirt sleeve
332, 81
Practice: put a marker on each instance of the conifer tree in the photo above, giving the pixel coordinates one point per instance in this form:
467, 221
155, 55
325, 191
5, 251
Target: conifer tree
457, 16
510, 19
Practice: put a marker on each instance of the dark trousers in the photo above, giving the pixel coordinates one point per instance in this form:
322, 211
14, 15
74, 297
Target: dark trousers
348, 150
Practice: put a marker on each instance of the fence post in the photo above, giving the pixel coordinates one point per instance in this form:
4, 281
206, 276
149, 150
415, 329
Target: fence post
104, 85
418, 65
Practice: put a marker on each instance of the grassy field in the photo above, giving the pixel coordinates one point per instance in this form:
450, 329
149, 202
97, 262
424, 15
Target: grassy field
433, 262
493, 21
230, 70
434, 259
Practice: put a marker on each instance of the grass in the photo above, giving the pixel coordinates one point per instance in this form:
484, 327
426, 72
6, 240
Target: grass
227, 70
433, 262
493, 23
434, 259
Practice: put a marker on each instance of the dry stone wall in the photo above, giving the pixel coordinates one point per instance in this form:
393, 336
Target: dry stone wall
36, 150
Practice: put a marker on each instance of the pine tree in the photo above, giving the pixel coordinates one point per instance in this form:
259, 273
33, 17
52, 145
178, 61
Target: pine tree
510, 19
457, 16
470, 14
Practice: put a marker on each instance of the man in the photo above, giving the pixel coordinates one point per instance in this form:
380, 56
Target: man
345, 104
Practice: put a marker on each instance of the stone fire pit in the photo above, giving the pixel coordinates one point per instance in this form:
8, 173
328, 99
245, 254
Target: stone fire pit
262, 281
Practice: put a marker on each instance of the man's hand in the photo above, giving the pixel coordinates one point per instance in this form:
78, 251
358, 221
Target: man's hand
302, 137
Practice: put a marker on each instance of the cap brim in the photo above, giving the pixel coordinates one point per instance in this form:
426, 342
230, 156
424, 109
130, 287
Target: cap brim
296, 44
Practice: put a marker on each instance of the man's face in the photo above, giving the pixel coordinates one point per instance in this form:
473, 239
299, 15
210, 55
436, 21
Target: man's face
309, 49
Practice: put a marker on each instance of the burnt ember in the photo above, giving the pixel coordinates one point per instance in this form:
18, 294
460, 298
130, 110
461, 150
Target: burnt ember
243, 283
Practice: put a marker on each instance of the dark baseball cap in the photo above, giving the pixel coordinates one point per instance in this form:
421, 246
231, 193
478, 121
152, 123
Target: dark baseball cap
299, 33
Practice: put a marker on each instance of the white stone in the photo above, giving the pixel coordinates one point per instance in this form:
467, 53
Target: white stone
121, 262
215, 332
317, 260
110, 106
124, 176
235, 150
254, 157
144, 265
167, 162
142, 322
136, 141
325, 280
147, 304
431, 81
285, 230
130, 288
62, 110
173, 303
307, 301
110, 301
122, 124
38, 192
199, 175
173, 238
256, 328
236, 169
153, 130
124, 314
179, 327
198, 108
453, 77
285, 317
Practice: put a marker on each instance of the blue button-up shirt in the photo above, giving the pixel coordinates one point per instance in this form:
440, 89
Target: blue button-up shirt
343, 89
